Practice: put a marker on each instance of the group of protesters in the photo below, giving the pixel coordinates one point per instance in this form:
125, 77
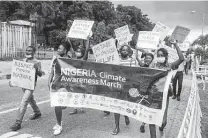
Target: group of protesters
79, 49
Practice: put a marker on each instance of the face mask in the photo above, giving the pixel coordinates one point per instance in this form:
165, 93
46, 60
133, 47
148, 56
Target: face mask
161, 59
28, 56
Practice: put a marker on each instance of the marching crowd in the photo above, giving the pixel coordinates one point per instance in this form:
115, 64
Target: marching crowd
79, 49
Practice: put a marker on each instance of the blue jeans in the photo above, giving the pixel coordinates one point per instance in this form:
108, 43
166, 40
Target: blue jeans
27, 99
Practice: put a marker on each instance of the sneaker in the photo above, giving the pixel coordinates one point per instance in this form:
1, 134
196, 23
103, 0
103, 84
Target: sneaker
35, 116
57, 130
174, 97
55, 127
178, 98
16, 126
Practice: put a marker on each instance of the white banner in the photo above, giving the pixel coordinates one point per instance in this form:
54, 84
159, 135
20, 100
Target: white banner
23, 75
162, 29
148, 39
106, 52
123, 35
80, 29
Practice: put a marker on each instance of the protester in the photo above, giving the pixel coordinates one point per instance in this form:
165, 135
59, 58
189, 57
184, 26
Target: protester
162, 63
55, 73
81, 53
187, 63
28, 94
63, 52
126, 60
148, 58
178, 78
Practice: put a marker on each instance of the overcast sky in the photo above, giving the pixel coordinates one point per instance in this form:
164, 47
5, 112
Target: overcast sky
172, 13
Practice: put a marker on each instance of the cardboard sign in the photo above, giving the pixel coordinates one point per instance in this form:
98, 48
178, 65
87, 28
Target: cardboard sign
140, 93
80, 29
123, 35
106, 52
148, 39
180, 33
172, 53
23, 75
162, 29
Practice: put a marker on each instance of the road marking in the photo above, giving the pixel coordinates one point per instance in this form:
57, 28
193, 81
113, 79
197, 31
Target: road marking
17, 135
23, 136
9, 134
14, 109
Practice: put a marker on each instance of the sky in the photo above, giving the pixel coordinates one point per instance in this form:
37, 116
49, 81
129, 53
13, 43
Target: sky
172, 13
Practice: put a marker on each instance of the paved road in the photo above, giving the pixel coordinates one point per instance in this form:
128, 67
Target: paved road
91, 124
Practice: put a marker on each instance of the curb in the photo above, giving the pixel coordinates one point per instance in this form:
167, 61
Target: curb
5, 76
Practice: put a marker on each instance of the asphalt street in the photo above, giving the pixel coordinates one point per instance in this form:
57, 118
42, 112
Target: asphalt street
91, 124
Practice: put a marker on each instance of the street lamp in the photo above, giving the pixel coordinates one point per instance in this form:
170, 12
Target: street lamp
203, 16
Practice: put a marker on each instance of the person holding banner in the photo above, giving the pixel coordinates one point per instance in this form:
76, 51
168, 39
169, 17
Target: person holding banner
125, 60
55, 72
28, 94
81, 50
63, 52
162, 63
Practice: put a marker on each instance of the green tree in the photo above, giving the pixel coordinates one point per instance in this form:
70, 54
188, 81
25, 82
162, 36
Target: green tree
202, 41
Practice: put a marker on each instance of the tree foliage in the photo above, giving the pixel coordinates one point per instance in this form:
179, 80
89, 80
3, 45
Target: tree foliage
54, 18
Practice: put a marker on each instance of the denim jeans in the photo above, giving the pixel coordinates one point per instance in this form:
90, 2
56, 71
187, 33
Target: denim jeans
27, 98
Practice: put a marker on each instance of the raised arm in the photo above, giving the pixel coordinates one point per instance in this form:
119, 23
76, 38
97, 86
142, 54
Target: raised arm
87, 45
141, 64
175, 64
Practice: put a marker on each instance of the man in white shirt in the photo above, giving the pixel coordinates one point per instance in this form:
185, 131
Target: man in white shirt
178, 77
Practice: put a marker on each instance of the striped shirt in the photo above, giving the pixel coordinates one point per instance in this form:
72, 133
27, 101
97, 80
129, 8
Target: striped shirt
128, 62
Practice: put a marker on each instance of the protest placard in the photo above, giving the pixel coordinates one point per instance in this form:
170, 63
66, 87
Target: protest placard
114, 88
148, 39
106, 52
23, 75
180, 33
162, 29
80, 29
123, 35
172, 53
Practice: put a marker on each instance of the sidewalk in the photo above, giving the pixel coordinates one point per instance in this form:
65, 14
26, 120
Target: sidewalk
6, 68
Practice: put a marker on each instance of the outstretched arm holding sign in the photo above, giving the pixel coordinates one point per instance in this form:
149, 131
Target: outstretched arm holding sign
175, 64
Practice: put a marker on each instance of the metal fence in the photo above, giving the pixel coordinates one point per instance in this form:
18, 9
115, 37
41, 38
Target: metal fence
14, 39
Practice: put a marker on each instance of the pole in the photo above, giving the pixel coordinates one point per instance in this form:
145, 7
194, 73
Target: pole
203, 22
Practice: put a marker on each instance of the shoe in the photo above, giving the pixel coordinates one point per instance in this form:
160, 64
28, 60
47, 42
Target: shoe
161, 129
116, 131
142, 130
74, 112
16, 126
57, 129
174, 97
35, 116
178, 98
106, 113
127, 121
